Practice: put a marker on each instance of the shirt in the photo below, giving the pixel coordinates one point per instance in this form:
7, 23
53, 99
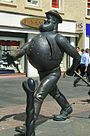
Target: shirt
85, 59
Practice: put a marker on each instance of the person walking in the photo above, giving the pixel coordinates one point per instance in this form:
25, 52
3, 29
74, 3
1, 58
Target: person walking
83, 65
78, 67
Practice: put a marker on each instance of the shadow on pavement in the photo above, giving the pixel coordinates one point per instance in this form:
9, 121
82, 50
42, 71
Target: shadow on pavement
86, 100
21, 117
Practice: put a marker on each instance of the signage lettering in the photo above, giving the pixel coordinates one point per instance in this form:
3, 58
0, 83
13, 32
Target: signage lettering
79, 26
32, 22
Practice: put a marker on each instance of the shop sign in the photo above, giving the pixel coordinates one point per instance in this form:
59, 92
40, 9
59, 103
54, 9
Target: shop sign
87, 29
9, 43
79, 27
32, 22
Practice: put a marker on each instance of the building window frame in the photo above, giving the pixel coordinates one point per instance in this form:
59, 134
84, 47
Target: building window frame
60, 5
34, 2
88, 8
31, 4
7, 1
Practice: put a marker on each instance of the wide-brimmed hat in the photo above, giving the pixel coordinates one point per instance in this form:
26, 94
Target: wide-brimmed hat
55, 14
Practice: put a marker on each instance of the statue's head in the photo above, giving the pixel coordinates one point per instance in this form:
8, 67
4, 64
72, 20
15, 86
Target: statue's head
53, 19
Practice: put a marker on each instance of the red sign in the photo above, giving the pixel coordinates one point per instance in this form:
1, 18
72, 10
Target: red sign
9, 43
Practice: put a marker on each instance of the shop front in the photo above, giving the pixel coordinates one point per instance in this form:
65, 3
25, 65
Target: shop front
12, 36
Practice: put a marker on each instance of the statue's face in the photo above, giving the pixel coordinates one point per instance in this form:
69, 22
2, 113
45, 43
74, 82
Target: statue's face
48, 24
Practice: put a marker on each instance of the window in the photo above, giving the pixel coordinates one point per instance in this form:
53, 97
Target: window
88, 7
10, 1
7, 46
33, 2
57, 4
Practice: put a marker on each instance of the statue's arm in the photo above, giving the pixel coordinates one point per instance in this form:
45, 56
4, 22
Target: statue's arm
64, 45
20, 52
10, 58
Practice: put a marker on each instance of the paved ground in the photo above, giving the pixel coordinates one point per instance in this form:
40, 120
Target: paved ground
12, 109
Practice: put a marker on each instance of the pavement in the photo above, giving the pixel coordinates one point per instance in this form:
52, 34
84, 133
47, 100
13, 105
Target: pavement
13, 106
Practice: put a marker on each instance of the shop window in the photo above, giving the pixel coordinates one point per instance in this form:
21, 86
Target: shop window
57, 4
88, 7
33, 2
8, 47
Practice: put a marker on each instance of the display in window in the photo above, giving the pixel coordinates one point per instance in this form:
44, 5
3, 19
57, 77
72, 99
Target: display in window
6, 48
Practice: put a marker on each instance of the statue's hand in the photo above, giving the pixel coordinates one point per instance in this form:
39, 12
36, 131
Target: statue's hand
70, 72
8, 58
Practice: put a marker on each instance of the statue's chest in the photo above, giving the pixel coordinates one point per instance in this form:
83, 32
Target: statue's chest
42, 46
39, 46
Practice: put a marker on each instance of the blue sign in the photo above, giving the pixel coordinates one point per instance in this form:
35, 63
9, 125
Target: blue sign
87, 29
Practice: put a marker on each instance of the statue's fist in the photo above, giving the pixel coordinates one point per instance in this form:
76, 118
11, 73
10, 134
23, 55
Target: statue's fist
9, 59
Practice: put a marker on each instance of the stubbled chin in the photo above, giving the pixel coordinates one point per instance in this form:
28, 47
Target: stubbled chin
46, 28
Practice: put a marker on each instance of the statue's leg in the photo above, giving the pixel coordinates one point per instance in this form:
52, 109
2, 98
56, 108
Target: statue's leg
47, 83
62, 101
48, 80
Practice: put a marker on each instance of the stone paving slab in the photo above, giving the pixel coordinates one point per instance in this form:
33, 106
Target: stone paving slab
12, 109
70, 127
14, 116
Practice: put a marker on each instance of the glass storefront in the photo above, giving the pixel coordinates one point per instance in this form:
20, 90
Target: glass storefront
7, 47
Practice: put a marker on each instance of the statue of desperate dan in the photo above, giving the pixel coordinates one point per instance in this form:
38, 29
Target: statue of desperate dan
45, 52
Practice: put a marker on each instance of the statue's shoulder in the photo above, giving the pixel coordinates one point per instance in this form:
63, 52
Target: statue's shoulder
59, 36
36, 37
60, 39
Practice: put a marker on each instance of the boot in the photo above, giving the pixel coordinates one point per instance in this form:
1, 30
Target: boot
64, 104
63, 114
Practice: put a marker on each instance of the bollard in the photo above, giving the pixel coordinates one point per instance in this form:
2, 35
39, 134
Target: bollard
29, 88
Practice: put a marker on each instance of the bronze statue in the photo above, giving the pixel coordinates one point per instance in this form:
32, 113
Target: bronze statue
45, 52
